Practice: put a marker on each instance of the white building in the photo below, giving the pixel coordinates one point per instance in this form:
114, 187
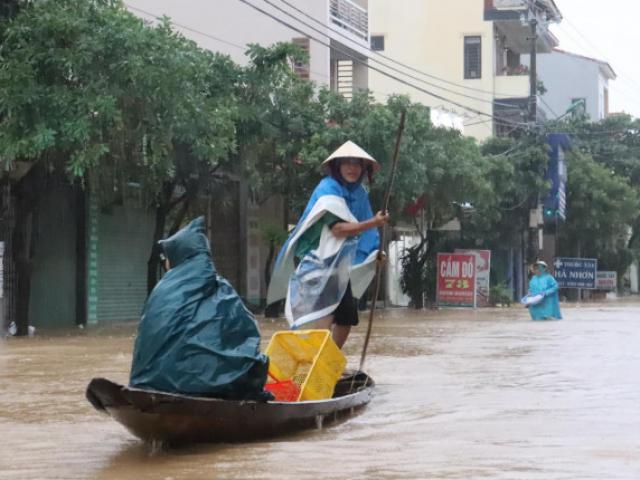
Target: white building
228, 26
337, 59
470, 51
575, 81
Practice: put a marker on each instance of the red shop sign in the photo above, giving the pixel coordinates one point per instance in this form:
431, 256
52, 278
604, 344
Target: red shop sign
456, 280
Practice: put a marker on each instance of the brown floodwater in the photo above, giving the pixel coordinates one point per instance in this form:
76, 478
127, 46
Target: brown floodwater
460, 395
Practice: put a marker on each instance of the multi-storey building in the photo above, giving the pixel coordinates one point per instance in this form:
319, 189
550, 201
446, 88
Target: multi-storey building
338, 60
471, 50
588, 90
335, 33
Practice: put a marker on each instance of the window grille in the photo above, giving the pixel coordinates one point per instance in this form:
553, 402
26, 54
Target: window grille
472, 57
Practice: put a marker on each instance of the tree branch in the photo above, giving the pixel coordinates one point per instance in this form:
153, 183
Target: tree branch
176, 201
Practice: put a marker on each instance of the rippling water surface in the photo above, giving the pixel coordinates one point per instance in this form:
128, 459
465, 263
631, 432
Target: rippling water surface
460, 395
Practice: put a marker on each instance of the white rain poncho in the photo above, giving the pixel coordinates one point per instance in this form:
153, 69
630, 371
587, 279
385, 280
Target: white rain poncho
314, 289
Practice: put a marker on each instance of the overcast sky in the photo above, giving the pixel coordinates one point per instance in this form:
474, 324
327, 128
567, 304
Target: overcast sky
612, 32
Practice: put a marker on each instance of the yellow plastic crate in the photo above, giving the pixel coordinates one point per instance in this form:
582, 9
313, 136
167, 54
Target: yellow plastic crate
308, 357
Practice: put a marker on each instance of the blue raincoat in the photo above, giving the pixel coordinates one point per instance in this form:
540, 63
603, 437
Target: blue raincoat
196, 336
357, 200
549, 307
314, 289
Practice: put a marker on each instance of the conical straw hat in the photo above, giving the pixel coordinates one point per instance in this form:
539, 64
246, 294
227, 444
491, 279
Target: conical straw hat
350, 150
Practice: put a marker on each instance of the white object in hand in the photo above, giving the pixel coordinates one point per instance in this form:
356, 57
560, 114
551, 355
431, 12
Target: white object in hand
531, 299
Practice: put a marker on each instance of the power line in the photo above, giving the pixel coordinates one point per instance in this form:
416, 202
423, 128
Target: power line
371, 67
592, 48
478, 123
597, 50
445, 89
204, 34
478, 112
199, 32
548, 106
628, 89
240, 47
409, 67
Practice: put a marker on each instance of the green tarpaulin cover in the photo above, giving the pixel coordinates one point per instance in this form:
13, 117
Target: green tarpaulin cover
196, 336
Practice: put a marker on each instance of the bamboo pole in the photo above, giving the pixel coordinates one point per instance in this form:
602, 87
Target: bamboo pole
387, 196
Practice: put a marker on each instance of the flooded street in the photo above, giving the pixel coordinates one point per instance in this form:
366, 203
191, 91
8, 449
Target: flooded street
461, 395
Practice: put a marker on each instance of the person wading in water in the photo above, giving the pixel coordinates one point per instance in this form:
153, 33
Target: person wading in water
542, 283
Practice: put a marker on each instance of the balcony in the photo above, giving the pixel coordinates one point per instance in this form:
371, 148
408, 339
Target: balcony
515, 9
350, 17
512, 21
512, 85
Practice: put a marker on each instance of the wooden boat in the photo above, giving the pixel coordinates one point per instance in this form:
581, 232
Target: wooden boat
177, 419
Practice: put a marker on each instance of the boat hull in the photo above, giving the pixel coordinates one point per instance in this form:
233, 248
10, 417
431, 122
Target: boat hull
176, 419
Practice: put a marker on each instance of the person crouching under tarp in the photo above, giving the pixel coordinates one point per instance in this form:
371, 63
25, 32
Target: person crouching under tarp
542, 283
196, 336
336, 244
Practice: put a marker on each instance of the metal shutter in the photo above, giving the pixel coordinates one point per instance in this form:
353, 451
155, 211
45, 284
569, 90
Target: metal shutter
123, 244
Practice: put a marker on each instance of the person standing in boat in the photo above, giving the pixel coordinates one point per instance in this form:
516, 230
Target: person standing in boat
334, 245
542, 283
196, 336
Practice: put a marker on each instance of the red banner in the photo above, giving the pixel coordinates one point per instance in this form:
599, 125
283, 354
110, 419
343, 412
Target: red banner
456, 280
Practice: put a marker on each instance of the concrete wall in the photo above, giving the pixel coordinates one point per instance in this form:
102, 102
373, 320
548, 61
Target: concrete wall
429, 36
567, 77
234, 22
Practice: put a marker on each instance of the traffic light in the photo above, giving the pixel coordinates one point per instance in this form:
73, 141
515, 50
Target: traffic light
549, 212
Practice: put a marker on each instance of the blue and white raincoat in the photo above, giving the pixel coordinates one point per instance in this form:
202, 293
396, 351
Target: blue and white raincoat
314, 289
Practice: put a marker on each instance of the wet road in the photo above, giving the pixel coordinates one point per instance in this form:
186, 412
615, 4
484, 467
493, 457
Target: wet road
461, 395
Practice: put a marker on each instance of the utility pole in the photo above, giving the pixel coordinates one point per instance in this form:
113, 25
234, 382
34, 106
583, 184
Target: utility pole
533, 77
535, 245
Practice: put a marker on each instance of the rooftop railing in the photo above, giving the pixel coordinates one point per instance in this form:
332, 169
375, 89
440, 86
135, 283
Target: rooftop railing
350, 16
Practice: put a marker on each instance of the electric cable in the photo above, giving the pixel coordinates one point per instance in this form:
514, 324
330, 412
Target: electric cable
412, 77
386, 57
371, 67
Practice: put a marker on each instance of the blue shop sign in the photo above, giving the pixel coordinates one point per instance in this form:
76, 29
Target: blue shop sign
576, 272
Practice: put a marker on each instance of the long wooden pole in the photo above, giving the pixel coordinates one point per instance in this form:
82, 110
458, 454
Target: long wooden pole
387, 196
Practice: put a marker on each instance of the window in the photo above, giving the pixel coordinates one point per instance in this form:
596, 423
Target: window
472, 57
377, 43
302, 68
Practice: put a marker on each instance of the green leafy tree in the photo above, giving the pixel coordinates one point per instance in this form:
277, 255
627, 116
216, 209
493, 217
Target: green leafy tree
438, 164
373, 126
8, 9
89, 91
516, 177
601, 207
604, 185
278, 115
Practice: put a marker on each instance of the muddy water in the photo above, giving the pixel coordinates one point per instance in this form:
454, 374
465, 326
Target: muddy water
460, 395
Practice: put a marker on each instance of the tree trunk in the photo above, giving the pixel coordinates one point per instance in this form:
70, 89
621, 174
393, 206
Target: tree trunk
286, 217
162, 210
81, 253
27, 193
22, 261
182, 213
267, 266
273, 310
418, 302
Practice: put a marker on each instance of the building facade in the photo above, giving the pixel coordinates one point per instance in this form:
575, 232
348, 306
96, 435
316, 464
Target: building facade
587, 91
335, 33
229, 26
471, 51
